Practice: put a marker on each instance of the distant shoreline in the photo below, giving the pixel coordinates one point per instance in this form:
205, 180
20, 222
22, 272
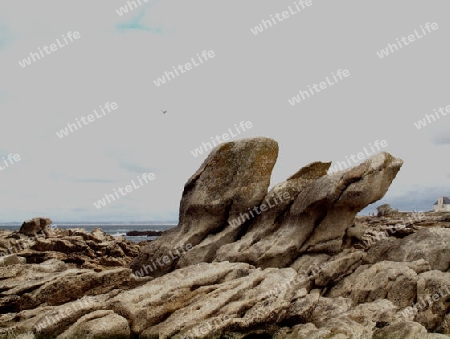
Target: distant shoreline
89, 223
140, 231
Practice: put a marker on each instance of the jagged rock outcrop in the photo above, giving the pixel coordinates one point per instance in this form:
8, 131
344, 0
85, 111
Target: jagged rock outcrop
34, 226
90, 250
234, 177
304, 267
318, 217
226, 215
385, 210
427, 244
94, 324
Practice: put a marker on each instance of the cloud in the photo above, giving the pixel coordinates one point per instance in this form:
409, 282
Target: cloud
421, 199
3, 94
441, 138
137, 169
4, 151
5, 36
136, 24
88, 180
78, 210
94, 180
438, 131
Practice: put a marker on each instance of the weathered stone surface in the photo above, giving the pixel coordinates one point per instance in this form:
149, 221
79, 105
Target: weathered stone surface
82, 282
318, 217
444, 327
178, 300
429, 244
309, 212
251, 247
12, 260
329, 308
406, 330
302, 306
306, 261
373, 314
32, 285
384, 280
95, 324
93, 250
234, 177
433, 299
338, 267
36, 225
304, 331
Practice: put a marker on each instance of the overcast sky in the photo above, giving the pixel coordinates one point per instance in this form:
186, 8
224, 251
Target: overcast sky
117, 58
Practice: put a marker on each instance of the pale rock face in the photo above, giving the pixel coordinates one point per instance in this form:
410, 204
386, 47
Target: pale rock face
94, 324
233, 178
319, 215
384, 280
407, 330
430, 245
433, 295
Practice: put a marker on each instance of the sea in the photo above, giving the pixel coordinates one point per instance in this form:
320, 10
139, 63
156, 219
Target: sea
114, 229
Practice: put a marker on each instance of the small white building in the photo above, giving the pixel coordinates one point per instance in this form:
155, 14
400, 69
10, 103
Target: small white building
442, 205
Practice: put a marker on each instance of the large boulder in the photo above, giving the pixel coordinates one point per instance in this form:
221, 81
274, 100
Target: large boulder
384, 280
433, 299
429, 244
36, 225
233, 179
95, 324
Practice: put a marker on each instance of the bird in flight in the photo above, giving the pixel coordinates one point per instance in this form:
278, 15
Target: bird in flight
163, 112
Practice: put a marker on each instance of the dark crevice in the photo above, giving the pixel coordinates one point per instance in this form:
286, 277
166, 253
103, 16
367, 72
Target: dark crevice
194, 287
293, 320
243, 229
223, 222
317, 212
346, 185
258, 336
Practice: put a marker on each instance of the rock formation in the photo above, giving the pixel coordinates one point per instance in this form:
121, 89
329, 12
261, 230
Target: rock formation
34, 226
293, 262
226, 214
385, 209
234, 177
76, 247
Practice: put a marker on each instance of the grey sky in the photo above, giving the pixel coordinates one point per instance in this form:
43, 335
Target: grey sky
251, 78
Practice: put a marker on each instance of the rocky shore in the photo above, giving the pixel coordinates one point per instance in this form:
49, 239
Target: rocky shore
243, 262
